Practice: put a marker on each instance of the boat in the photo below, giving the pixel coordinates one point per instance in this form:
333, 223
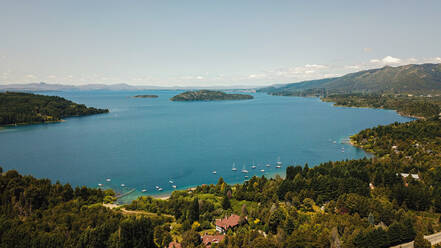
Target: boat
174, 186
253, 166
214, 172
262, 170
160, 189
123, 185
101, 185
244, 170
108, 180
335, 142
157, 187
144, 190
267, 165
170, 181
278, 161
278, 166
234, 167
246, 176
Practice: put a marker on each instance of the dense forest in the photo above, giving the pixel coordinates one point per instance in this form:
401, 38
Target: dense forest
26, 108
209, 95
416, 106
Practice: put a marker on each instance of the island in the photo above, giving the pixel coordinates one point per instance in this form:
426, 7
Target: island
25, 108
145, 96
209, 95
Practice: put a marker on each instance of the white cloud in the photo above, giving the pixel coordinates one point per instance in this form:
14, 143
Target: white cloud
388, 60
315, 66
391, 60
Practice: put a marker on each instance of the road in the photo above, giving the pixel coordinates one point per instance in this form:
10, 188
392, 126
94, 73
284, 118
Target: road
433, 239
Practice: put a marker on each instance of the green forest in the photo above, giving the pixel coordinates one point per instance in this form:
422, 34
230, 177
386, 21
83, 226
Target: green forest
26, 108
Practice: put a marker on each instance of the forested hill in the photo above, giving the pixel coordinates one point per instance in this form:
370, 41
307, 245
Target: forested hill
209, 95
25, 108
424, 78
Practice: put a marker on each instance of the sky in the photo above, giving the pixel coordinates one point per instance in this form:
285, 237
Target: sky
211, 43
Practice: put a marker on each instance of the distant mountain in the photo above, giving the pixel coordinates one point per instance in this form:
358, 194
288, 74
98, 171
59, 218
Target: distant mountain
36, 87
402, 79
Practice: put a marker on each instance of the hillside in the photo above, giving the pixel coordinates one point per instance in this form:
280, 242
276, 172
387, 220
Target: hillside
24, 108
420, 79
209, 95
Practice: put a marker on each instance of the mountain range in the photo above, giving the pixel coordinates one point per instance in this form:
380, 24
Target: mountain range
421, 78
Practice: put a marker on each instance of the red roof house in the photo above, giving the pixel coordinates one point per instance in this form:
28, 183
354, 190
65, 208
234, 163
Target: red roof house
174, 244
222, 225
212, 239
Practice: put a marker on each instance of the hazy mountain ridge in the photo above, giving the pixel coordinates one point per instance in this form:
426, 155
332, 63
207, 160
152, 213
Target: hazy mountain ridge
401, 79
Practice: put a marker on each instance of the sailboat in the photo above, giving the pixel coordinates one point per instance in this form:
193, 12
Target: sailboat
253, 166
279, 164
108, 180
214, 172
144, 190
244, 170
234, 167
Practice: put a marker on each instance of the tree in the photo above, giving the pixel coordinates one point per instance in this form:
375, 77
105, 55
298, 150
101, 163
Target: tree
226, 204
421, 242
194, 210
191, 239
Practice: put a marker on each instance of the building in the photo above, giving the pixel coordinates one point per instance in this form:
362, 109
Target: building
222, 225
208, 240
414, 176
174, 244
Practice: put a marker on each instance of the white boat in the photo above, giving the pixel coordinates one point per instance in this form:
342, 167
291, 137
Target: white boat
157, 187
246, 176
267, 165
244, 170
123, 185
278, 161
108, 180
174, 186
160, 189
278, 166
170, 181
262, 170
234, 167
253, 166
335, 142
101, 185
214, 172
144, 190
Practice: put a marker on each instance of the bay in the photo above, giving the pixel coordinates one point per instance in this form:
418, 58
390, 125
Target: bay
147, 142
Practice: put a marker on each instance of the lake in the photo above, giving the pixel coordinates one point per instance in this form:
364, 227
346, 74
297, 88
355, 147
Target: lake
146, 142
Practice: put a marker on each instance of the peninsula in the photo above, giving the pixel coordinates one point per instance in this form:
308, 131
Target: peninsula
209, 95
26, 108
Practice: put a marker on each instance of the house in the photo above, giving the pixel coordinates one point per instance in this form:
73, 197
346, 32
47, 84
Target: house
414, 176
222, 225
212, 239
174, 244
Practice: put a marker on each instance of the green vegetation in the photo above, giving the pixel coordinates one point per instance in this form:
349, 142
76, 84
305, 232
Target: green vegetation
25, 108
209, 95
415, 106
145, 96
415, 79
36, 213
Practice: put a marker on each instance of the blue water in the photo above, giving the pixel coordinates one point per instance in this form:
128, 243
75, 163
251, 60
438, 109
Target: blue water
147, 142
